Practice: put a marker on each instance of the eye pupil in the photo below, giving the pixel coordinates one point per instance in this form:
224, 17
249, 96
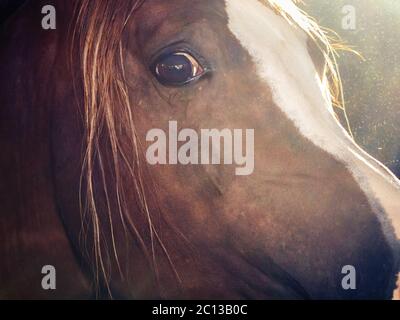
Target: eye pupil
174, 68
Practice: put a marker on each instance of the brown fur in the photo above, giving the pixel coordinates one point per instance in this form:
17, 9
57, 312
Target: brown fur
76, 177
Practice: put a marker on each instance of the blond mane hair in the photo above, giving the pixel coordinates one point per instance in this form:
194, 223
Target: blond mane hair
98, 50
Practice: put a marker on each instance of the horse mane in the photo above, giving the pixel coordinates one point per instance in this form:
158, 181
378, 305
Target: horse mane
97, 48
97, 42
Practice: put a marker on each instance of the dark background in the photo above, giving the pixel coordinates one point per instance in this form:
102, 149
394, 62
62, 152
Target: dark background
371, 86
7, 7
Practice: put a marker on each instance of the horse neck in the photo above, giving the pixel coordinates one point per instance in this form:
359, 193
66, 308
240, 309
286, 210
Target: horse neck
31, 231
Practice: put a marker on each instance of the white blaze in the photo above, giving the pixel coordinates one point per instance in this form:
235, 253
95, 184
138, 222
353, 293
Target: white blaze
281, 55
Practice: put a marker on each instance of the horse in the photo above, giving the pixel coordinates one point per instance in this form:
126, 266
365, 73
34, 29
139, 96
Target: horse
78, 194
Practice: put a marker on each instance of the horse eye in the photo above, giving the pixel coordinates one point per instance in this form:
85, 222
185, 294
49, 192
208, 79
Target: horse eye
177, 69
